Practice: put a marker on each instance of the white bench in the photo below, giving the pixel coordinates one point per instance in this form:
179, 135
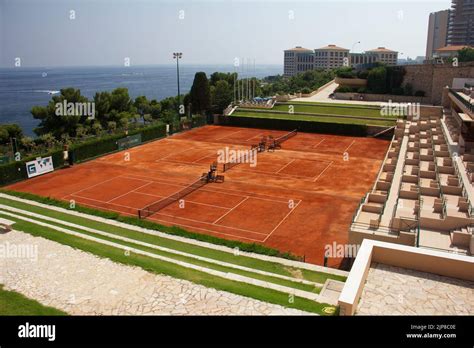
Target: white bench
6, 225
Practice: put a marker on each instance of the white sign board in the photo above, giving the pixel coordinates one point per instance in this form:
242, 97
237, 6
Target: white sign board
39, 166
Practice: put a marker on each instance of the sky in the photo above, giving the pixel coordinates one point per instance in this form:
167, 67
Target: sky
52, 33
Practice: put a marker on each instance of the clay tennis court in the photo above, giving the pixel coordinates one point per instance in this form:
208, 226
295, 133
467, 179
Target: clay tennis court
298, 198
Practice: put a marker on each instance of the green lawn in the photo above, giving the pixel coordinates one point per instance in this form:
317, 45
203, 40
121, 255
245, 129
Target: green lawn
160, 266
345, 105
13, 303
310, 118
331, 110
250, 262
171, 269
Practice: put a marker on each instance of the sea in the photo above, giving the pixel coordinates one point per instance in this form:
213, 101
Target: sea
23, 88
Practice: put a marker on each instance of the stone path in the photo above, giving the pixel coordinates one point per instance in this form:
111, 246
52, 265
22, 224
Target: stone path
84, 284
393, 290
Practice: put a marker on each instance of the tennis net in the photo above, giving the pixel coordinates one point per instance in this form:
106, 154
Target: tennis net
285, 137
157, 206
243, 158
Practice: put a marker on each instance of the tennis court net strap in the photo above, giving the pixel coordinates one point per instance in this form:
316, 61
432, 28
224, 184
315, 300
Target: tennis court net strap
286, 136
157, 206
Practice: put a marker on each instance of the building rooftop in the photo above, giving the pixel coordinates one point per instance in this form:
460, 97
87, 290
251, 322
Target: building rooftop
452, 48
333, 47
382, 49
299, 49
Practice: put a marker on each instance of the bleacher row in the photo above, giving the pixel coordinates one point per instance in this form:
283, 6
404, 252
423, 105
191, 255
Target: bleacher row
419, 196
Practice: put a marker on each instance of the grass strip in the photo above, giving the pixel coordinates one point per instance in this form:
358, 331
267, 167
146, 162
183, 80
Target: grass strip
14, 303
329, 119
188, 259
173, 270
173, 230
267, 266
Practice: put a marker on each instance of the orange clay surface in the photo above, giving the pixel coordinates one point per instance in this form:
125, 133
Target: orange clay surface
298, 199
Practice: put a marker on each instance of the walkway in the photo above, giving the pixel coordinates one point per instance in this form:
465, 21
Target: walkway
323, 97
391, 203
393, 290
84, 284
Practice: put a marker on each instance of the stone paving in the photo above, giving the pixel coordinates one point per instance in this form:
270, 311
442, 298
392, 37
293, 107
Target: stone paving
80, 283
393, 290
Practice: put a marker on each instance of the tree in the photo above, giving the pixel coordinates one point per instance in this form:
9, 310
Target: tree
27, 143
221, 96
377, 80
200, 94
57, 123
102, 102
120, 100
466, 55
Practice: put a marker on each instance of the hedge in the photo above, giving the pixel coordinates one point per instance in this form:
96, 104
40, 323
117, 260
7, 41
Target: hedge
16, 171
302, 126
100, 146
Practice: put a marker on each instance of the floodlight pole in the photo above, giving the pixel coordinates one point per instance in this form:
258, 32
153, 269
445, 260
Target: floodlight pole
178, 56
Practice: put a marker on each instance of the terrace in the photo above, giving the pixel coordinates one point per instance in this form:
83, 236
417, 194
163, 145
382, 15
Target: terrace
390, 279
427, 203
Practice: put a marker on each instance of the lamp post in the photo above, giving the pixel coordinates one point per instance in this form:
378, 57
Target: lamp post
355, 43
178, 56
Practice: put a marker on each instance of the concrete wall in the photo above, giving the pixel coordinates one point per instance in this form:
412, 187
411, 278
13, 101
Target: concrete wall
351, 82
382, 98
432, 78
424, 260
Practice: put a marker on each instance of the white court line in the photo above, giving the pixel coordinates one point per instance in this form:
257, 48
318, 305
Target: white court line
204, 157
228, 135
322, 172
258, 135
318, 143
113, 199
286, 216
174, 153
347, 148
242, 201
206, 188
286, 165
187, 200
205, 229
96, 200
103, 182
209, 223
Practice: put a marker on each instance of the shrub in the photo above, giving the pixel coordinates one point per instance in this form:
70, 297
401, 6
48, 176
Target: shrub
362, 74
16, 171
377, 80
362, 90
419, 93
344, 89
306, 91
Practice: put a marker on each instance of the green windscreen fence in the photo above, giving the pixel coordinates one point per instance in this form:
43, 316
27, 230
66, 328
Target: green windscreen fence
130, 141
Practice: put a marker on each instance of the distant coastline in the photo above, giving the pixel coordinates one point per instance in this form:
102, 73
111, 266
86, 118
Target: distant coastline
23, 88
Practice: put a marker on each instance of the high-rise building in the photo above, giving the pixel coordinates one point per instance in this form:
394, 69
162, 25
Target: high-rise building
331, 56
461, 23
437, 32
298, 60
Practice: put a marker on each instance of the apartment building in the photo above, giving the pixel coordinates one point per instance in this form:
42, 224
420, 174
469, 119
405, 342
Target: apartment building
384, 55
461, 23
297, 60
437, 32
331, 56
